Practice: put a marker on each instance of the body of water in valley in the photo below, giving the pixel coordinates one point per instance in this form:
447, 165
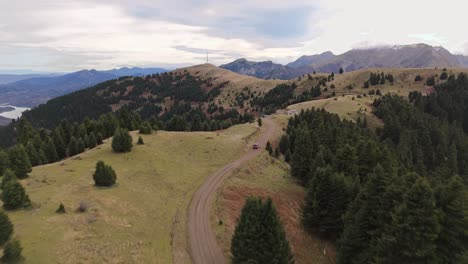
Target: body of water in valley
13, 114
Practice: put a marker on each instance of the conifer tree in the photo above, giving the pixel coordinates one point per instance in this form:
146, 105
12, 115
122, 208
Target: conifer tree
284, 144
326, 203
19, 161
33, 155
80, 145
73, 147
140, 141
122, 141
146, 128
452, 242
4, 162
59, 143
92, 142
7, 176
14, 196
364, 216
259, 121
104, 175
269, 148
12, 252
414, 228
61, 209
341, 70
259, 236
6, 228
50, 150
99, 138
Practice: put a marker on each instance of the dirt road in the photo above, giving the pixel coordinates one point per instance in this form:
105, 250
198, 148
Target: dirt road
204, 248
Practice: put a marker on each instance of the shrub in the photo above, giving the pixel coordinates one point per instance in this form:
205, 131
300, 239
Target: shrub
146, 128
140, 141
418, 78
104, 175
61, 209
12, 252
6, 228
82, 207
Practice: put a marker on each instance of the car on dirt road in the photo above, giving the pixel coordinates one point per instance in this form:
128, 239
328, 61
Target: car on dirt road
256, 146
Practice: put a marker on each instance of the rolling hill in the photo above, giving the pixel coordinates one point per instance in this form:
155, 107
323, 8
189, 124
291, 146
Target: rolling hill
38, 90
264, 69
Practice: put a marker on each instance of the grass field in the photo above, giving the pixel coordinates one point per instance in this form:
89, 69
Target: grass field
140, 220
344, 106
265, 176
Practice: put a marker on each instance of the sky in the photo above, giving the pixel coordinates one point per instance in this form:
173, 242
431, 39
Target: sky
70, 35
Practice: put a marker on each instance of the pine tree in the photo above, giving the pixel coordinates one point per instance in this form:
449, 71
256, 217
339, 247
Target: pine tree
61, 209
7, 176
326, 203
99, 138
12, 252
80, 145
4, 162
92, 142
146, 128
104, 175
50, 150
140, 141
301, 159
410, 238
284, 144
364, 216
269, 148
259, 121
6, 228
122, 141
19, 161
33, 155
452, 242
14, 196
259, 236
73, 147
341, 70
59, 143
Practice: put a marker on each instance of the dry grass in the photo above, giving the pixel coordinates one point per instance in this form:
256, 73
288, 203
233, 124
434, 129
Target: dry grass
345, 106
265, 176
140, 220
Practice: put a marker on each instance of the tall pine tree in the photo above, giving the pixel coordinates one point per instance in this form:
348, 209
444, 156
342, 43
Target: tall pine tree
259, 236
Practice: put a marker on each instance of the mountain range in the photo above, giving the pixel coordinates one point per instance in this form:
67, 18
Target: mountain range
37, 90
398, 56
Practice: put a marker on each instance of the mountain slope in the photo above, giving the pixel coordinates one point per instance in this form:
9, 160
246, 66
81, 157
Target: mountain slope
400, 56
38, 90
135, 71
308, 61
264, 69
407, 56
10, 78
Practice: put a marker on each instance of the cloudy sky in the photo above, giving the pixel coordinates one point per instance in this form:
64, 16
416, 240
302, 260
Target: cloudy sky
68, 35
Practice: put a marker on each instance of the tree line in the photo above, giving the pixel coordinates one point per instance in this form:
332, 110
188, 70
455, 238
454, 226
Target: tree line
396, 195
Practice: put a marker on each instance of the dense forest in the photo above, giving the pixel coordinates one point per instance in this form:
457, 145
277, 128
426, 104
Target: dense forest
394, 195
170, 101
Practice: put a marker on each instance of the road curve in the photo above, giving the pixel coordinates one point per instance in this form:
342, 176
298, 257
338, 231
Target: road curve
204, 248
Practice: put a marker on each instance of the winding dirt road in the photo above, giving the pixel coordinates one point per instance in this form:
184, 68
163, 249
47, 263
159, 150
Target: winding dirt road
204, 248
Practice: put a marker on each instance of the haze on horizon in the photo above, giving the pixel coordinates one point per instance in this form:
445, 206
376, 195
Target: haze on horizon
69, 35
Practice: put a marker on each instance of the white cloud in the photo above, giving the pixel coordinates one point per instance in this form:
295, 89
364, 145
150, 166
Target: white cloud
65, 35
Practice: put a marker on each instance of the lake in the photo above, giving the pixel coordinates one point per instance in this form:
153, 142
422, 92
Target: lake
12, 114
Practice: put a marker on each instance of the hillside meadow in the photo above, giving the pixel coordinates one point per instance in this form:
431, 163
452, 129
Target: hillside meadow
142, 219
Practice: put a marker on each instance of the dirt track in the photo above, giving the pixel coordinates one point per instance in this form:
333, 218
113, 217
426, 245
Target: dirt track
203, 246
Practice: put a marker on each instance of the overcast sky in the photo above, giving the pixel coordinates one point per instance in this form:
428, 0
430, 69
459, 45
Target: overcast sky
68, 35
